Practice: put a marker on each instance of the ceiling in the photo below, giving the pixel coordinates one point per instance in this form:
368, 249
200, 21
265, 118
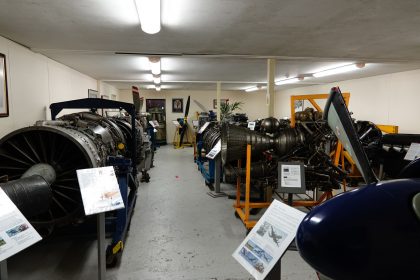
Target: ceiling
203, 41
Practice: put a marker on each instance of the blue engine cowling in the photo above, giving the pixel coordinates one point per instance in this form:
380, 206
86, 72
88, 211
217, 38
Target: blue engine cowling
369, 233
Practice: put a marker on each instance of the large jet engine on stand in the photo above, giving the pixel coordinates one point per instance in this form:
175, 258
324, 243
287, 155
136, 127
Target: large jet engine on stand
38, 163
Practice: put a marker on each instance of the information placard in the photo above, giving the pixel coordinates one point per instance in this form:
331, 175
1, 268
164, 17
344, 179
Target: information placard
251, 125
16, 233
269, 239
291, 177
100, 190
215, 151
413, 152
203, 127
154, 123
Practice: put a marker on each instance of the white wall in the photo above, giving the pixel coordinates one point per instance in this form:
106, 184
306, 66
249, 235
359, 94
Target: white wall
392, 99
108, 90
253, 104
35, 81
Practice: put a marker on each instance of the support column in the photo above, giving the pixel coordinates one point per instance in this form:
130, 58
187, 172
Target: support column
101, 246
3, 270
271, 72
218, 93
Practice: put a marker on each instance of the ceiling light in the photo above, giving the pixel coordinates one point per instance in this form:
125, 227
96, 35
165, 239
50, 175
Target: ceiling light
339, 70
156, 79
288, 81
155, 65
254, 88
149, 15
157, 88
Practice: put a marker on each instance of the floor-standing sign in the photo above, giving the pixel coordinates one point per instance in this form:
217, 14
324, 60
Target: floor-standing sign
16, 233
100, 193
214, 155
269, 239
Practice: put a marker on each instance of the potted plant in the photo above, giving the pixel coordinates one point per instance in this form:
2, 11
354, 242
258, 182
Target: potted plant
226, 110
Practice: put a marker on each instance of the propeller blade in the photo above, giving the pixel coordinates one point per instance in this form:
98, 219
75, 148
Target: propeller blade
187, 108
181, 138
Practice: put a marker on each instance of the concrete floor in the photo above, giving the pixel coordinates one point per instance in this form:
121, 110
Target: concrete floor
177, 232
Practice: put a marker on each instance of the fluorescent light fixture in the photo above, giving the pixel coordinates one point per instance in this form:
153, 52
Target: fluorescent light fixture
155, 65
157, 87
149, 15
251, 89
259, 87
288, 81
156, 79
339, 70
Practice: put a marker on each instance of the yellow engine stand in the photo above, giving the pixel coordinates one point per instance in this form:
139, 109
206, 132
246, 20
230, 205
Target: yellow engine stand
242, 209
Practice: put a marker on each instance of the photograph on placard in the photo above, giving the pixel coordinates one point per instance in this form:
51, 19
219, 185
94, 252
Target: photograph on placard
16, 230
272, 233
258, 251
252, 260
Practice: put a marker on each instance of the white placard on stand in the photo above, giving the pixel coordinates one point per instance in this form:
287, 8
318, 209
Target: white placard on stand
99, 189
215, 151
16, 233
251, 125
413, 152
269, 239
203, 127
290, 176
100, 193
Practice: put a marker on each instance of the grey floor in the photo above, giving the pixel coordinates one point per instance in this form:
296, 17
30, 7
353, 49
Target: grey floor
177, 232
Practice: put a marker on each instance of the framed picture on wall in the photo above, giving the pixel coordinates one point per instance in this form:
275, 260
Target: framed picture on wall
177, 105
4, 98
93, 93
222, 101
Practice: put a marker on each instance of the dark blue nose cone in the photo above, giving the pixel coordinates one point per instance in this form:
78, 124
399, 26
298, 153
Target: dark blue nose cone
369, 233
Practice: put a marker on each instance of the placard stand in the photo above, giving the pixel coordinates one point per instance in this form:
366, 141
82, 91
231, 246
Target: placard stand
3, 270
100, 193
101, 246
214, 155
217, 166
275, 273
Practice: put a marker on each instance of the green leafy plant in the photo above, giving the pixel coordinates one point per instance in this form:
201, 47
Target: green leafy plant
226, 109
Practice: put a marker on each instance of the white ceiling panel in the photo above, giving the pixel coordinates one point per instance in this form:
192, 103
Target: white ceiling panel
204, 41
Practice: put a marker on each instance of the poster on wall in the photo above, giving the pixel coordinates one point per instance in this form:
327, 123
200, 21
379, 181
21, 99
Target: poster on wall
93, 93
4, 100
177, 105
222, 101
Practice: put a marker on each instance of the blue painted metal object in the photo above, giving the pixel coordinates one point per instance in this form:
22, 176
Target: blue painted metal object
369, 233
205, 166
118, 222
119, 225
